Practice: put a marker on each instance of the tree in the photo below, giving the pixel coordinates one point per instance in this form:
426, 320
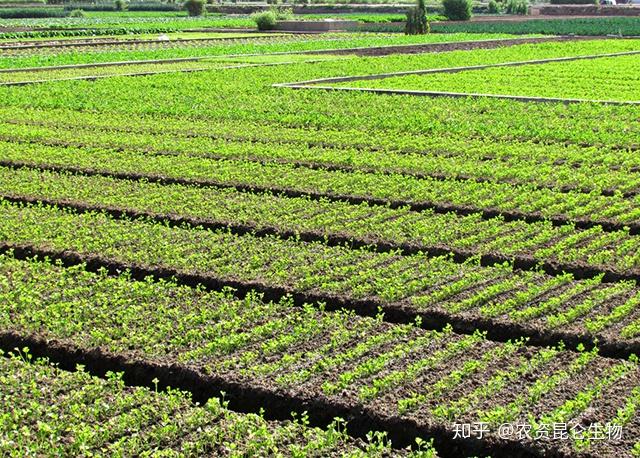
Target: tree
417, 23
457, 10
195, 7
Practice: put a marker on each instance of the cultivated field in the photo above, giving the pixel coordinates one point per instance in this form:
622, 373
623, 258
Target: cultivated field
299, 245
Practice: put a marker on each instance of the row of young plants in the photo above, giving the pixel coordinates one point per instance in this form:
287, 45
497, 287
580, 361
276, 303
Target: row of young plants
51, 412
100, 72
28, 76
48, 42
106, 39
617, 76
433, 287
628, 26
396, 189
279, 43
145, 44
474, 166
156, 132
435, 379
245, 97
398, 228
114, 25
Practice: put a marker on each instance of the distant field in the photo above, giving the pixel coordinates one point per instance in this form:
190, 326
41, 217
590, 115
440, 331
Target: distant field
35, 57
629, 26
606, 78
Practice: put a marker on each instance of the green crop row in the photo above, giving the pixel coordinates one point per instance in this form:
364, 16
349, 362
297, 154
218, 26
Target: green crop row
113, 25
504, 197
45, 41
629, 26
371, 147
537, 171
149, 45
138, 29
13, 12
51, 412
388, 370
616, 77
368, 224
106, 71
184, 66
417, 282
